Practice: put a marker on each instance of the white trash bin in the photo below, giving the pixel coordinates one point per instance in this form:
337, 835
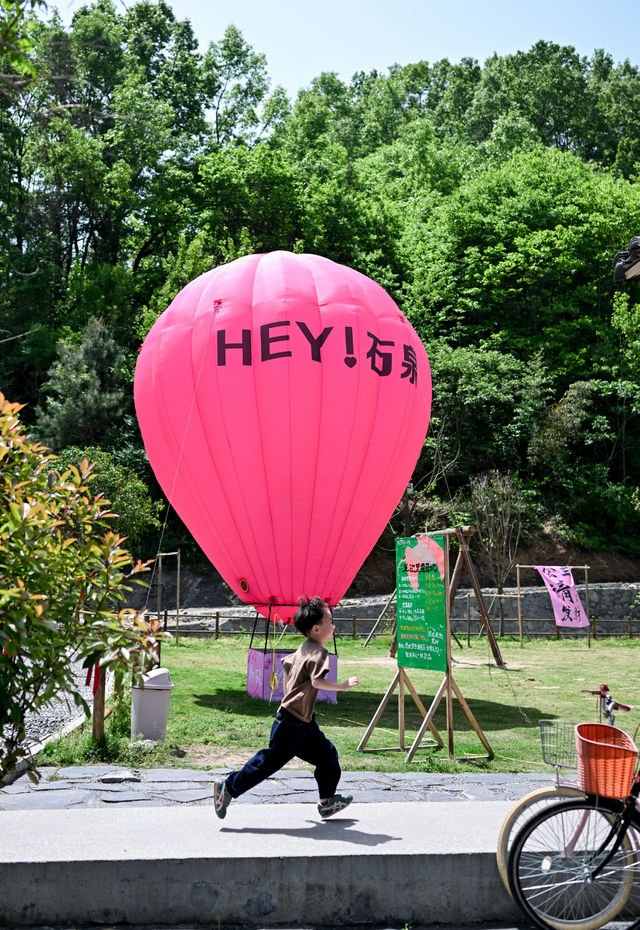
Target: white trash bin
150, 705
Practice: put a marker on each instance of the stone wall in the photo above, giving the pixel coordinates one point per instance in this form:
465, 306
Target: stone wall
611, 601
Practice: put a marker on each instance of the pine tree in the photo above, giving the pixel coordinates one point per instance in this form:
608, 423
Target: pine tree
85, 390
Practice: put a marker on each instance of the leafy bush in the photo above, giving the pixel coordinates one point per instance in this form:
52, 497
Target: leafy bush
63, 576
134, 510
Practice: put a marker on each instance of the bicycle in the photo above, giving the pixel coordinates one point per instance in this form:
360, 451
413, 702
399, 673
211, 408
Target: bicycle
576, 864
557, 738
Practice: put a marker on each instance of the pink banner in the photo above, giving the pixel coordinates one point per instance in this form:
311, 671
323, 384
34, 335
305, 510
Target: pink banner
565, 599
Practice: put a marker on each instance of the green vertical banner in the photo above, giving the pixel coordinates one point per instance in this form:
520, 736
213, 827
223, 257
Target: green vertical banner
422, 602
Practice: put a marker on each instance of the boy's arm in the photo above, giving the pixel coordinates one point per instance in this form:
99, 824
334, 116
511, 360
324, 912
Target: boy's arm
322, 683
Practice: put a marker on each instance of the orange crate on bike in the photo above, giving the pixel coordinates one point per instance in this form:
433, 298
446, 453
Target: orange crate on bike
606, 760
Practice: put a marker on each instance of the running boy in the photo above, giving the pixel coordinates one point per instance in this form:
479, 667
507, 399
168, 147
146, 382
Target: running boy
295, 731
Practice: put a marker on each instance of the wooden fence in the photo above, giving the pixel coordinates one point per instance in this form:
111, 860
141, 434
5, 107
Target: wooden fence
598, 627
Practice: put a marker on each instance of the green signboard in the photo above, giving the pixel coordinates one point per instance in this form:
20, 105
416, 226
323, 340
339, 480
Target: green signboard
422, 602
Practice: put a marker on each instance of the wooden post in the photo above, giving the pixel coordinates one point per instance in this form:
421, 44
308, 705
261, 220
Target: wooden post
401, 709
383, 703
630, 629
455, 578
159, 585
393, 648
178, 598
586, 589
478, 593
384, 610
217, 624
400, 678
353, 628
98, 706
448, 695
519, 607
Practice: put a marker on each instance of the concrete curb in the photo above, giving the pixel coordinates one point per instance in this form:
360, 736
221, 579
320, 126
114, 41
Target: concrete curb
379, 863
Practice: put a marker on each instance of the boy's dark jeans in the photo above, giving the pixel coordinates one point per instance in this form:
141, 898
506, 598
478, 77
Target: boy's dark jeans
290, 737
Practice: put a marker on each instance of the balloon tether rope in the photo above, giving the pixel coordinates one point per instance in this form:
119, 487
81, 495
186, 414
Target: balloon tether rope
216, 304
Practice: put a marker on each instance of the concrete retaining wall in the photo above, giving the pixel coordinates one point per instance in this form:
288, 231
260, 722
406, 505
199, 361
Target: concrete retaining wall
385, 864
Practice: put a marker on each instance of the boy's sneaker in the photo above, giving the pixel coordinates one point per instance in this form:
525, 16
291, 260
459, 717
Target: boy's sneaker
221, 797
337, 803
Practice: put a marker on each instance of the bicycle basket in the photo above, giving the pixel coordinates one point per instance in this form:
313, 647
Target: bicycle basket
558, 743
606, 760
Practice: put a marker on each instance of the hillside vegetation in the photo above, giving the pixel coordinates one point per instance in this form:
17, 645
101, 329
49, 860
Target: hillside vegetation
488, 198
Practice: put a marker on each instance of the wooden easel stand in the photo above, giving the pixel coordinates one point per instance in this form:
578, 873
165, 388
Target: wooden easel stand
400, 679
448, 687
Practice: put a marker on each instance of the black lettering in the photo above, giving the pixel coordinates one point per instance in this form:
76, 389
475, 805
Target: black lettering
350, 360
410, 365
245, 345
266, 339
315, 343
376, 356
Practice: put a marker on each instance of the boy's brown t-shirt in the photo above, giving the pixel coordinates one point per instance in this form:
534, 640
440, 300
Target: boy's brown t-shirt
310, 660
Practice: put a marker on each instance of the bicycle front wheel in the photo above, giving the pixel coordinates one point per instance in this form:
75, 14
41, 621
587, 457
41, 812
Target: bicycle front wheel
553, 860
522, 811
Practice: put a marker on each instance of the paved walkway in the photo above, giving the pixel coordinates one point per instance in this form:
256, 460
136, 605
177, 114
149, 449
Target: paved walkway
74, 850
108, 786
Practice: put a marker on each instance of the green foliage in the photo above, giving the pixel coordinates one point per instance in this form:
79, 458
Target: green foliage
488, 199
135, 514
63, 578
85, 389
485, 405
16, 41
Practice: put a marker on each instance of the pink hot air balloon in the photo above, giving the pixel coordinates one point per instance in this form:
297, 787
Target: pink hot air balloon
283, 401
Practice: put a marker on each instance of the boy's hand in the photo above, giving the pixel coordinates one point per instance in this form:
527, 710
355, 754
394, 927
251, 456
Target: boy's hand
351, 682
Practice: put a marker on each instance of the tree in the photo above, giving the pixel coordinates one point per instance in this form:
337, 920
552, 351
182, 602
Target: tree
547, 85
497, 504
521, 253
85, 391
16, 43
63, 578
135, 513
236, 82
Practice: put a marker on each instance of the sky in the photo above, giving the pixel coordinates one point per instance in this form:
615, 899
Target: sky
301, 38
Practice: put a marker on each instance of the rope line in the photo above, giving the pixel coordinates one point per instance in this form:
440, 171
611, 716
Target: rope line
179, 462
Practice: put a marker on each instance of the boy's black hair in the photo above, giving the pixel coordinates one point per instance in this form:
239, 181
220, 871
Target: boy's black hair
310, 612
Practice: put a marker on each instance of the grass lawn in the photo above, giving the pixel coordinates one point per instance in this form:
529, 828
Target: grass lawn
213, 722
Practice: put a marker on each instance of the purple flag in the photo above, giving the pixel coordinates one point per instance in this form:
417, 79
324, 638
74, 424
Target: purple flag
567, 606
